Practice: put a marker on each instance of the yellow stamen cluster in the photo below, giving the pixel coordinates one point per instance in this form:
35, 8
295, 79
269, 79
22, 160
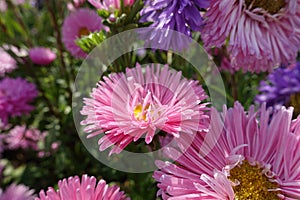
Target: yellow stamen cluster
295, 102
253, 184
139, 113
271, 6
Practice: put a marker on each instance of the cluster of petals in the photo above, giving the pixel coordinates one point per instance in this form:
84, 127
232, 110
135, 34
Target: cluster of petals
16, 94
258, 40
269, 140
85, 189
126, 106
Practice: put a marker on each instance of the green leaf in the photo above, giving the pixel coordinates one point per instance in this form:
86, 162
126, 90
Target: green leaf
89, 42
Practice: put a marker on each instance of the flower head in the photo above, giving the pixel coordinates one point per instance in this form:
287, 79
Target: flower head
17, 192
281, 88
7, 63
22, 138
87, 188
177, 15
241, 157
126, 106
15, 96
260, 34
42, 55
79, 23
110, 5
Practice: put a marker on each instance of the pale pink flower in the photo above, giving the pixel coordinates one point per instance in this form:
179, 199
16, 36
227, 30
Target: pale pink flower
86, 189
79, 23
7, 63
42, 55
17, 192
126, 106
22, 138
110, 5
260, 34
254, 155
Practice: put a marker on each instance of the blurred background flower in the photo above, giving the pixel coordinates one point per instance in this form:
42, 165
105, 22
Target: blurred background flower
41, 55
15, 97
7, 63
79, 23
281, 88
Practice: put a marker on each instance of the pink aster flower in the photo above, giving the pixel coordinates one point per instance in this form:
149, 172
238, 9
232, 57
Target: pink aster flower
110, 5
79, 23
17, 192
126, 106
42, 55
7, 63
260, 34
87, 188
241, 157
22, 138
15, 96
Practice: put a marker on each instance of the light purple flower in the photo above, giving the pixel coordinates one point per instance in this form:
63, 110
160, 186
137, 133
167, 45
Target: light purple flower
177, 15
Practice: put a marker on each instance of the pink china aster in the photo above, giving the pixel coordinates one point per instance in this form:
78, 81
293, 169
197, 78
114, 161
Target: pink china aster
15, 98
22, 138
79, 23
17, 192
7, 63
86, 189
243, 156
110, 5
42, 55
260, 34
127, 106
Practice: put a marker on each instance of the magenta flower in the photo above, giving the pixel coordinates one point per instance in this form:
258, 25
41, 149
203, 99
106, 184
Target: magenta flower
17, 192
126, 106
260, 34
22, 138
15, 96
110, 5
87, 189
241, 157
79, 23
42, 55
7, 63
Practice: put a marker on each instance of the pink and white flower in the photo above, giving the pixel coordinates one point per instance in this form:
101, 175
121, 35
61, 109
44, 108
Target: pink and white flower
126, 106
252, 155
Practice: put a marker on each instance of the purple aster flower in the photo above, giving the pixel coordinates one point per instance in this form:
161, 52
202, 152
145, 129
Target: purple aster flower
281, 88
15, 96
17, 192
178, 15
42, 55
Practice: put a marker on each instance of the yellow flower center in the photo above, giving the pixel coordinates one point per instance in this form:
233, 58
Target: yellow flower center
140, 113
83, 31
271, 6
295, 102
253, 184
